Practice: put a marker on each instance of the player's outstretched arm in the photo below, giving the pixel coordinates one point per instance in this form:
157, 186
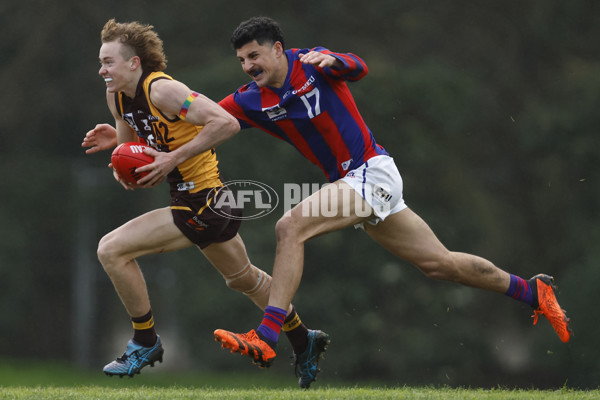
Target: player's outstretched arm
320, 60
346, 66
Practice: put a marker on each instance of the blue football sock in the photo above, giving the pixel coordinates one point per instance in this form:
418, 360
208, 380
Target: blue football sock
519, 289
272, 323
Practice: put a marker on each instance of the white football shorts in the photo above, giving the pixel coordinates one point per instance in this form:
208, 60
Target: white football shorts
378, 181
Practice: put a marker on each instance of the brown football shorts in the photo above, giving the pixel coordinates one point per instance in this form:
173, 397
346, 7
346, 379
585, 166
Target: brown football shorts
204, 217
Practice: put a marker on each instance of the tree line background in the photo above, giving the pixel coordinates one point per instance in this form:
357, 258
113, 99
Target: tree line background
489, 108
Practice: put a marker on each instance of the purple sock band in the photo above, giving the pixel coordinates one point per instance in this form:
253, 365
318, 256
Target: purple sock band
272, 323
519, 290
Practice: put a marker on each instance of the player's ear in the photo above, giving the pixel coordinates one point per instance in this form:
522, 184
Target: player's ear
135, 63
278, 47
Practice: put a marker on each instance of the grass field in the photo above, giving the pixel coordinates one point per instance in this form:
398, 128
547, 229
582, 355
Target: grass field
55, 381
143, 392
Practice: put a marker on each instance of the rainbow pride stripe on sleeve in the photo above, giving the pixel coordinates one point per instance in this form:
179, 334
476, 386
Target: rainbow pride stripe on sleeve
186, 105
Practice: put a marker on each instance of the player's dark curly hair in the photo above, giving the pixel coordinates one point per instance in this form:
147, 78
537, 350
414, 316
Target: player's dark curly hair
261, 29
139, 40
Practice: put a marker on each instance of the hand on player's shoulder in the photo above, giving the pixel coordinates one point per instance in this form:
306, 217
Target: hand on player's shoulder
317, 59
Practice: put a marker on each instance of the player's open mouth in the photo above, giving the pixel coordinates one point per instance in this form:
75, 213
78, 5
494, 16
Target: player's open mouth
256, 73
107, 80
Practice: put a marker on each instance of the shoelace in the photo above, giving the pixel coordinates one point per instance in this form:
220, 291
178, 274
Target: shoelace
125, 356
312, 368
536, 314
552, 318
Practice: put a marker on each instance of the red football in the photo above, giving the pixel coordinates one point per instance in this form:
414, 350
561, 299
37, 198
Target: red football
126, 157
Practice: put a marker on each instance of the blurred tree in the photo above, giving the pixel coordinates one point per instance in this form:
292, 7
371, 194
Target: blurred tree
488, 108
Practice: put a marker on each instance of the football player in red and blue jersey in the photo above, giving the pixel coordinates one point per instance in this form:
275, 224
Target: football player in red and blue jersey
301, 96
310, 108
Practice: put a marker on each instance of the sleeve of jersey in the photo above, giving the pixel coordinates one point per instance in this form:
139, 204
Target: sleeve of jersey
233, 108
354, 67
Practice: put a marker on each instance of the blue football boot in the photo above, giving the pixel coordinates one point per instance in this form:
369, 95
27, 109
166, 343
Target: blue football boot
307, 363
134, 359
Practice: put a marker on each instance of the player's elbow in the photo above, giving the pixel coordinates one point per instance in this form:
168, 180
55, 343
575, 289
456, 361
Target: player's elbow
222, 128
232, 126
225, 126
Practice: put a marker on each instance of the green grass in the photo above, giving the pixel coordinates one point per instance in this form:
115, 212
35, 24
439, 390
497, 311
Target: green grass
158, 393
20, 380
18, 373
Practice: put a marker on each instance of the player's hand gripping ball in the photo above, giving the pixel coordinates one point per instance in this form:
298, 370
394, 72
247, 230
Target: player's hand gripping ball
126, 157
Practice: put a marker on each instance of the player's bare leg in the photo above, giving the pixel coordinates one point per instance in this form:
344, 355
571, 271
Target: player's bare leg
153, 232
408, 237
150, 233
312, 217
232, 262
305, 221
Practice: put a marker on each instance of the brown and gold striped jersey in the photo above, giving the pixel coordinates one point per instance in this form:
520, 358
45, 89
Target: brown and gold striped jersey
167, 134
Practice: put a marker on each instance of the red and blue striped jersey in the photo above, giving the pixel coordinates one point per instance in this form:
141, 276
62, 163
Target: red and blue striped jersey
314, 111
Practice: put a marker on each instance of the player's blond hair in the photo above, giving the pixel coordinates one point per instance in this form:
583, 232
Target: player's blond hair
138, 40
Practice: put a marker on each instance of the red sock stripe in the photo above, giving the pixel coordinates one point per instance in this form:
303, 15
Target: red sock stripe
272, 325
273, 319
521, 289
275, 315
517, 293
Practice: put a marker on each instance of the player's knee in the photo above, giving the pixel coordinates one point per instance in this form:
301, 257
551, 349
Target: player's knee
282, 227
286, 229
103, 251
107, 251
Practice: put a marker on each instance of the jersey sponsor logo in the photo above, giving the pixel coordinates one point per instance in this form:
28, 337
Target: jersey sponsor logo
276, 112
307, 87
146, 122
128, 118
146, 126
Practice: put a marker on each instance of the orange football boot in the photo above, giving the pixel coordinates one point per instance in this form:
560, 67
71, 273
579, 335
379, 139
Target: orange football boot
549, 307
248, 344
